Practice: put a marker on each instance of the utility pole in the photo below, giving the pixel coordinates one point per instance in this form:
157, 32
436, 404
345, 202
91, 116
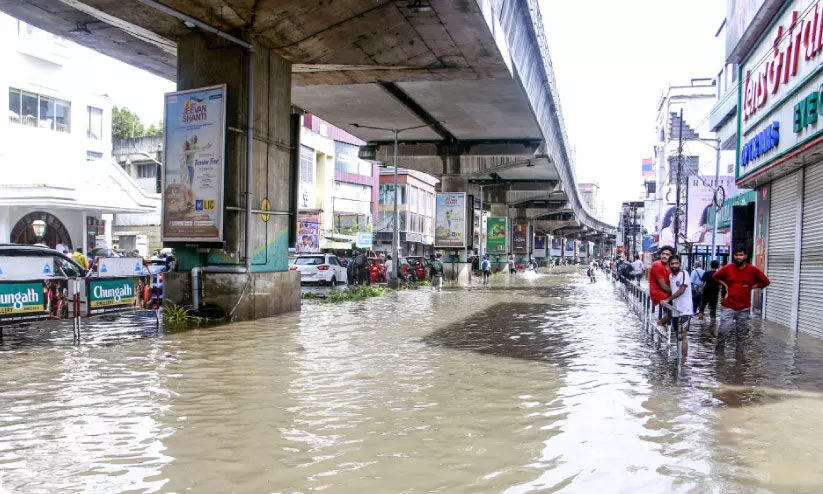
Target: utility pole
679, 179
715, 205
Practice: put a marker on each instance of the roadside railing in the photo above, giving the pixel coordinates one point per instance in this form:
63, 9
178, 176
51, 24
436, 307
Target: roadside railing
641, 303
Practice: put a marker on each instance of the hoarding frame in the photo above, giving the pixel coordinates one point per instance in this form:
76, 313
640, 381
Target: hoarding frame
491, 221
219, 239
438, 240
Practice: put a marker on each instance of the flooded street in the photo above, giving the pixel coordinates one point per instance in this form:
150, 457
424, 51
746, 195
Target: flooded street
536, 384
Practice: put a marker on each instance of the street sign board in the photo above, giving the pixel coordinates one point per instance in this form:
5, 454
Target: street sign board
365, 240
110, 295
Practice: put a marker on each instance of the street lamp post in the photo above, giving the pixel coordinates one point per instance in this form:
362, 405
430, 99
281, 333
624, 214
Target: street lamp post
714, 199
395, 245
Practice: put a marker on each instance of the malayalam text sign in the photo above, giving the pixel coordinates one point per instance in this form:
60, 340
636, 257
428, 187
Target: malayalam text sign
450, 220
496, 234
195, 123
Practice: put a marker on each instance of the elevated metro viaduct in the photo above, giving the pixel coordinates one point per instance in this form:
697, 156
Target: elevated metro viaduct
475, 74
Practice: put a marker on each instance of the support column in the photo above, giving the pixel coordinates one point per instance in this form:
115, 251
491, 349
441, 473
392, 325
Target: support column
455, 261
269, 288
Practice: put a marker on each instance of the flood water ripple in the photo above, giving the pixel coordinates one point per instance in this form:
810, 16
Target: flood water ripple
538, 383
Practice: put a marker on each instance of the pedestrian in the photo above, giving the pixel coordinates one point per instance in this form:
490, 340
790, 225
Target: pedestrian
711, 289
680, 298
739, 279
389, 267
80, 258
659, 281
637, 269
485, 266
475, 265
512, 267
437, 272
697, 286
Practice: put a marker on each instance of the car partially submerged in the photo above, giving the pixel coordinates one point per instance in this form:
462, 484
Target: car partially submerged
319, 269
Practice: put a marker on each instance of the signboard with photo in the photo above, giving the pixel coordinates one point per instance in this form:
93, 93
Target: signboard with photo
700, 200
308, 233
450, 220
520, 237
496, 235
195, 123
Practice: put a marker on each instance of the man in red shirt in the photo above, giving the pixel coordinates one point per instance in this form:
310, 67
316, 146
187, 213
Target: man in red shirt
739, 278
659, 280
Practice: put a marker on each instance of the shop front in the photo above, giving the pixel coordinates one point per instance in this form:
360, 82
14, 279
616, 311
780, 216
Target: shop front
780, 155
57, 228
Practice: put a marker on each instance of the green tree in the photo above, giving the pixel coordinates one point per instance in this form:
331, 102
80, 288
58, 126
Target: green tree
125, 124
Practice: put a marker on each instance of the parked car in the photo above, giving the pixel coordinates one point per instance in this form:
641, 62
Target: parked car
62, 265
377, 270
322, 269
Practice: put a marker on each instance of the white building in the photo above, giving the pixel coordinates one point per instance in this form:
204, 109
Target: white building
55, 155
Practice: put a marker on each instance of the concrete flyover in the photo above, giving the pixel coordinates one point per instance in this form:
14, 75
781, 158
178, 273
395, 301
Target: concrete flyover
475, 73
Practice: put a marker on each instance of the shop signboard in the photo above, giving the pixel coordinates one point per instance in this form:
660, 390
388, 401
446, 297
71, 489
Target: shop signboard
306, 185
22, 301
780, 90
520, 237
193, 164
110, 295
700, 200
450, 220
496, 235
365, 240
308, 233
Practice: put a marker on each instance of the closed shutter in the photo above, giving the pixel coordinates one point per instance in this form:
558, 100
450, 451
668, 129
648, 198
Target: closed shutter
785, 207
811, 263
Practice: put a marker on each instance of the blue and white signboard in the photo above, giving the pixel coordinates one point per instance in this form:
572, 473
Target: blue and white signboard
195, 134
364, 240
110, 267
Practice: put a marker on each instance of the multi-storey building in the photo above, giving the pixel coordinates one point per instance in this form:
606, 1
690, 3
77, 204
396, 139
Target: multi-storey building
56, 154
416, 209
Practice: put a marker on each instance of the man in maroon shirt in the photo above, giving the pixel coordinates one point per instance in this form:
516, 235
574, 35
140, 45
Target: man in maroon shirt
659, 279
739, 278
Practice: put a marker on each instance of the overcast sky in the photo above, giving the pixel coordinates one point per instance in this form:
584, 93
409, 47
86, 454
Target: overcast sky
613, 60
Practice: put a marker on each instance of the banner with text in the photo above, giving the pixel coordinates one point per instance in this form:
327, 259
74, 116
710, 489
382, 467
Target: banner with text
496, 235
195, 128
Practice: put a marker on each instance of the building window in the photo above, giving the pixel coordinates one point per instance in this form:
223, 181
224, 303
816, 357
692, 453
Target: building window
94, 129
37, 110
93, 156
147, 171
386, 194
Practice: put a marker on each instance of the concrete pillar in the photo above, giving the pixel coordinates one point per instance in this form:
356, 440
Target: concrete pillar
269, 288
455, 260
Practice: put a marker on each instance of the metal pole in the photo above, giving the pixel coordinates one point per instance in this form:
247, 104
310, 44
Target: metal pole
679, 179
249, 158
480, 233
716, 209
395, 243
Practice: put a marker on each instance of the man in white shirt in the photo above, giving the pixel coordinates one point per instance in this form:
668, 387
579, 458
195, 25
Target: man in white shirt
681, 298
637, 268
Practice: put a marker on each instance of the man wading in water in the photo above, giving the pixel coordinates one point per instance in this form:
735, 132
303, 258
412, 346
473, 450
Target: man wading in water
659, 281
680, 299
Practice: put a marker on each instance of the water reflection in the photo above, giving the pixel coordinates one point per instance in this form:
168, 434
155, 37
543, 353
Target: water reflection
526, 384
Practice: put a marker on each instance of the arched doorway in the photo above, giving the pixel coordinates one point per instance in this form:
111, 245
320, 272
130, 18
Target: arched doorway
55, 233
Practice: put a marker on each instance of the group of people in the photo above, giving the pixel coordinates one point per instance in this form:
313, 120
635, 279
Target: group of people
690, 293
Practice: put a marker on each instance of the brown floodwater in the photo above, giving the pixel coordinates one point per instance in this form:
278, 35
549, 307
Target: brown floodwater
538, 383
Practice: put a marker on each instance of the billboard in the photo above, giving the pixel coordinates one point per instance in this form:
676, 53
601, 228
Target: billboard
364, 240
306, 183
496, 235
193, 163
700, 199
308, 233
450, 220
539, 240
647, 168
22, 301
520, 237
110, 295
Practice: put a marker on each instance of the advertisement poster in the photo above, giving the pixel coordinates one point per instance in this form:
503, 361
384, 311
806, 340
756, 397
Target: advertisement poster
308, 234
193, 165
520, 237
110, 295
450, 220
761, 236
22, 301
539, 240
700, 200
496, 231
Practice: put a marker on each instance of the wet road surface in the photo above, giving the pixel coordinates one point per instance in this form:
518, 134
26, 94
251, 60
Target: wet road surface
532, 384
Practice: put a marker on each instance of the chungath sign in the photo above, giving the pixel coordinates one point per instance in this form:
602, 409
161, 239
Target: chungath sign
780, 88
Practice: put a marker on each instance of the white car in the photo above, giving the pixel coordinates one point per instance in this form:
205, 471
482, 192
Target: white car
322, 269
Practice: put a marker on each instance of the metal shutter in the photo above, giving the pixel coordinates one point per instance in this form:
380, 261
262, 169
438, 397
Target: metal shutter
811, 263
785, 206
